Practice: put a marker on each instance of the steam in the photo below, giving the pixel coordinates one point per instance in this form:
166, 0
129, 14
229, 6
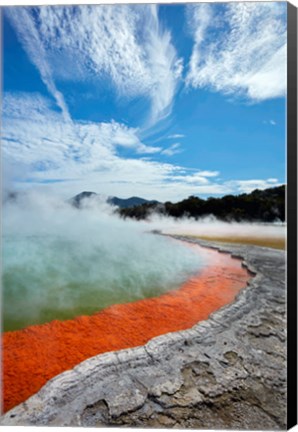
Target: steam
60, 262
211, 227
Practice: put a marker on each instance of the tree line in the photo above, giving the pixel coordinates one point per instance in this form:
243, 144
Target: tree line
260, 205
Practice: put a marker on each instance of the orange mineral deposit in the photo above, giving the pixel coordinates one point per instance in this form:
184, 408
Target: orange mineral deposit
36, 354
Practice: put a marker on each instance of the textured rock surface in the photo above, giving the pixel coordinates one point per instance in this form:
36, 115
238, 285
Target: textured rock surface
226, 372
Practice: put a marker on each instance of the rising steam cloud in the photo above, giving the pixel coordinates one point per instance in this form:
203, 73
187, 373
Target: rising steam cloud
211, 227
60, 262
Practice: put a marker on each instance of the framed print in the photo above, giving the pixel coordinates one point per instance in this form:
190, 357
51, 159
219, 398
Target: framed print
149, 215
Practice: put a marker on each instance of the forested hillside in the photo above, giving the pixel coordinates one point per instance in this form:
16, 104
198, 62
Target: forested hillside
260, 205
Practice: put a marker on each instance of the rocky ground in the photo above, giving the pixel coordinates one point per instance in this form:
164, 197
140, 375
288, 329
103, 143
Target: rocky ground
228, 372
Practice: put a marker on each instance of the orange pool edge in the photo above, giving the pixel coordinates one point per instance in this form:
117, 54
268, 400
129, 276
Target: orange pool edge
36, 354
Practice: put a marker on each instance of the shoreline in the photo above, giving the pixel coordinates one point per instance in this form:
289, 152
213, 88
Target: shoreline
269, 242
227, 371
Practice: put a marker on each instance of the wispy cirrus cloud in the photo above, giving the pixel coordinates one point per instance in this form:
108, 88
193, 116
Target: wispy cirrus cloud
270, 122
29, 36
176, 136
34, 132
239, 48
165, 68
172, 150
122, 43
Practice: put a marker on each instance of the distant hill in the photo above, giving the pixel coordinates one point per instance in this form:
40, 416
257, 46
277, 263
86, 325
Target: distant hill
260, 205
10, 196
122, 203
129, 202
76, 201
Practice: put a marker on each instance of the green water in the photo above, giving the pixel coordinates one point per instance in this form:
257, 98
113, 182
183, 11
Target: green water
54, 277
86, 301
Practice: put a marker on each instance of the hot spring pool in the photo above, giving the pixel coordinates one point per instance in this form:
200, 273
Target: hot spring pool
36, 354
54, 276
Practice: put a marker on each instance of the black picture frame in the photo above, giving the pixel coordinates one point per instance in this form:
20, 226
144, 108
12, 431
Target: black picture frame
292, 216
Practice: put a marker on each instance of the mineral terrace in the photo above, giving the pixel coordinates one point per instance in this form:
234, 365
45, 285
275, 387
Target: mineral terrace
227, 372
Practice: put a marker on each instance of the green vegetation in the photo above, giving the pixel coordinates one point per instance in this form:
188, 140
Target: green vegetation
260, 205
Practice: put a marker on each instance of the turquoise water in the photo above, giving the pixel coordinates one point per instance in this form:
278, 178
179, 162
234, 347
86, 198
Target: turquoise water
65, 273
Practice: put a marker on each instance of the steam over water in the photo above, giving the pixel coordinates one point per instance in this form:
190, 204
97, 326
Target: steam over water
60, 262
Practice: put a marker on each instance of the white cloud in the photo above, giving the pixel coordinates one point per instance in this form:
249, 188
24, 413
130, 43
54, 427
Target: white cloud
246, 186
239, 48
39, 148
197, 177
175, 136
165, 67
209, 173
172, 150
124, 43
270, 122
103, 40
36, 137
33, 132
123, 136
32, 43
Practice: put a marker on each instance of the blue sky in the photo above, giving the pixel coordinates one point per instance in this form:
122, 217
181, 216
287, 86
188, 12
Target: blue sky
159, 101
